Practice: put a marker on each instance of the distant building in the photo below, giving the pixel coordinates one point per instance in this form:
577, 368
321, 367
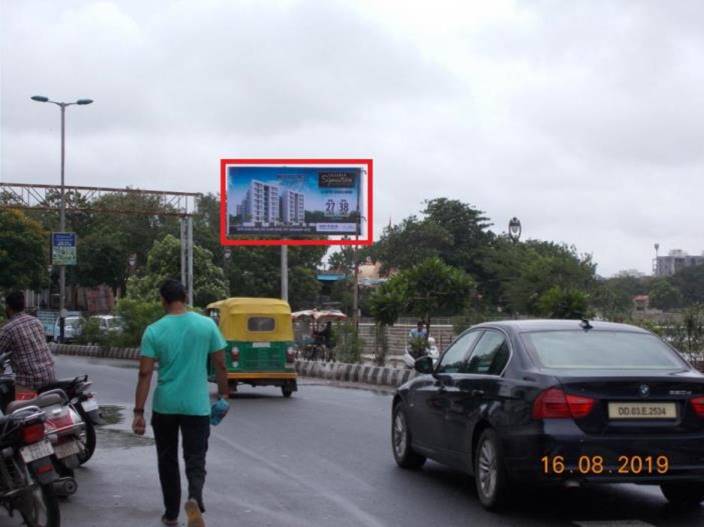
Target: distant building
292, 208
675, 261
261, 203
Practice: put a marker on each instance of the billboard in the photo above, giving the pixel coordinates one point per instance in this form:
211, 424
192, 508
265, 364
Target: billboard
286, 201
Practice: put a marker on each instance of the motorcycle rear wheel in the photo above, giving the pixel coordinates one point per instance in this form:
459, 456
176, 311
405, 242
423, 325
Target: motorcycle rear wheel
39, 507
90, 440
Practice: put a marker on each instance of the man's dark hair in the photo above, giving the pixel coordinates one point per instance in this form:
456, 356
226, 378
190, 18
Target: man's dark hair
15, 301
173, 291
420, 323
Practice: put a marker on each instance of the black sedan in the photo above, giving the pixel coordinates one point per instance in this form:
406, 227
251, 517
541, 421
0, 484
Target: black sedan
556, 402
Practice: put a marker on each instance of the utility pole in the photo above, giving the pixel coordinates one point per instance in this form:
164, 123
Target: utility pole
189, 256
284, 272
182, 224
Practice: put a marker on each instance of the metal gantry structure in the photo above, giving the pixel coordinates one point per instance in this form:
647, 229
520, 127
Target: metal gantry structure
165, 203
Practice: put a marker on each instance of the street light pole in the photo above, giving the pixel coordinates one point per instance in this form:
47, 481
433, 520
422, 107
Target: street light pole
62, 206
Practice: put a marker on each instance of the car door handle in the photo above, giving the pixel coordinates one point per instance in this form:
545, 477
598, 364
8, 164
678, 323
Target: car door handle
476, 393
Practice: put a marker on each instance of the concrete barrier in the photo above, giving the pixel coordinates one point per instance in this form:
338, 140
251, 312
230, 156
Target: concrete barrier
358, 373
333, 371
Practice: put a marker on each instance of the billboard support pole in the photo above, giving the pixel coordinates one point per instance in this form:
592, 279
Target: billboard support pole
189, 256
355, 292
284, 272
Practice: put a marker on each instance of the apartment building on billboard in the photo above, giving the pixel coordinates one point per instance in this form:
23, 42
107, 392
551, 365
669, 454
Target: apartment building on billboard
675, 261
261, 203
292, 207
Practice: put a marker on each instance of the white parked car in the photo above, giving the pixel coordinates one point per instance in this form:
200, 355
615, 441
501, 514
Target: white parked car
109, 323
73, 327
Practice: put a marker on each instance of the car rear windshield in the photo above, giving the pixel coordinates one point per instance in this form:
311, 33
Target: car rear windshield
601, 350
261, 324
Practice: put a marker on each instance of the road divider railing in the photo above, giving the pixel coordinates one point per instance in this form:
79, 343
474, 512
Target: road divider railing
332, 371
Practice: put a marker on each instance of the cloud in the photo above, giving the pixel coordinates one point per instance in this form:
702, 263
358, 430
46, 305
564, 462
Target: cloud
582, 119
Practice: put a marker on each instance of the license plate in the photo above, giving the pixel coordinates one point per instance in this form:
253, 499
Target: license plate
642, 411
261, 344
90, 405
69, 448
36, 451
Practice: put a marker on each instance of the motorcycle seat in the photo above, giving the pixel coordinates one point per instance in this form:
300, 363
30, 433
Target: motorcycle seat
61, 383
43, 401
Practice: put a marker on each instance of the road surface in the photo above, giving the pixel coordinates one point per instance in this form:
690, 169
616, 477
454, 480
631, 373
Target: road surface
321, 458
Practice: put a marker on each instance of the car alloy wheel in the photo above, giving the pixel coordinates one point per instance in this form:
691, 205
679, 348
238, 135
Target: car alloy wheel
400, 435
487, 469
404, 454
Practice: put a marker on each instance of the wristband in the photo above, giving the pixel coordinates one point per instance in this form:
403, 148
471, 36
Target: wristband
138, 411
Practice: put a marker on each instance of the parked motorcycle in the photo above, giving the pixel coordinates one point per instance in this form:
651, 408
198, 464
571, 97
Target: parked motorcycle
65, 428
27, 473
86, 405
431, 350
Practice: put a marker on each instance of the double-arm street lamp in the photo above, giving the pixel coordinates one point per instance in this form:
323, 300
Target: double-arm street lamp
62, 209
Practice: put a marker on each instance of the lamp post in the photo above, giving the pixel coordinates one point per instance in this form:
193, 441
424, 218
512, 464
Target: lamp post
514, 229
62, 207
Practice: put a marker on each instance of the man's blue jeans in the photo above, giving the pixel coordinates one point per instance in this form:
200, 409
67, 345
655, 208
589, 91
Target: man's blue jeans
195, 430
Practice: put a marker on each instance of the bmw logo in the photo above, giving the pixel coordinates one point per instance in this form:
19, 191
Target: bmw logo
644, 390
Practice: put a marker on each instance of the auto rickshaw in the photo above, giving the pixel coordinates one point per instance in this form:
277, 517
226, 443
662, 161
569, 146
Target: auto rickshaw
259, 334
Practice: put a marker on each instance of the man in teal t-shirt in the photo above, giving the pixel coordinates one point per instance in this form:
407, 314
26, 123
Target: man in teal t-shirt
181, 342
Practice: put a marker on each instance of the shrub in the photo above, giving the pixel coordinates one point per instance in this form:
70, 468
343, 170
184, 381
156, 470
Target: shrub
348, 343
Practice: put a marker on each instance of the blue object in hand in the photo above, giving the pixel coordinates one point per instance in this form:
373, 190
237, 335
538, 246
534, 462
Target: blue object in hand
218, 411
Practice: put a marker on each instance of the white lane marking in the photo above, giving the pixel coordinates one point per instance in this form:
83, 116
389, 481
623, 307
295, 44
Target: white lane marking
614, 523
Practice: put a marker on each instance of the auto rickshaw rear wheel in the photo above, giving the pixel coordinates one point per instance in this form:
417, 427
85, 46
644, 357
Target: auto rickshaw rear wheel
286, 390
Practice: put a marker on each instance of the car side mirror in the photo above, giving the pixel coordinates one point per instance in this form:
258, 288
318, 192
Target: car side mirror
424, 364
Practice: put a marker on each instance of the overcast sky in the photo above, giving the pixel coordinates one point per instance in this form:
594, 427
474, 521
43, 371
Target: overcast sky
583, 118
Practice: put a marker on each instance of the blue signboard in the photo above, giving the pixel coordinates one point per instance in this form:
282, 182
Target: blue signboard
293, 200
63, 248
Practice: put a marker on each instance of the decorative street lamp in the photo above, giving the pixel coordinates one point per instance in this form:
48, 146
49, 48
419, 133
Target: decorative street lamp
62, 210
132, 261
514, 229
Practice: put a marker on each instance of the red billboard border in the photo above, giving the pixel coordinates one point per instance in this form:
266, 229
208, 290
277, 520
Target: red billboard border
224, 240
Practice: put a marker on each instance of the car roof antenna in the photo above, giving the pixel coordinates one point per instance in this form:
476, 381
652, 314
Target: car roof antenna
586, 325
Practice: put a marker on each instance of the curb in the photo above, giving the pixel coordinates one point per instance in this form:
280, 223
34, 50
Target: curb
333, 371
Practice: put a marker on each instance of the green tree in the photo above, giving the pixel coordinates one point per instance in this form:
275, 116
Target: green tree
24, 249
386, 304
409, 243
256, 271
557, 302
690, 281
665, 296
521, 273
163, 261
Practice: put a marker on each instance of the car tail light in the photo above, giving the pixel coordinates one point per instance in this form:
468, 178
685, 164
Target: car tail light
33, 433
290, 355
235, 355
698, 405
554, 403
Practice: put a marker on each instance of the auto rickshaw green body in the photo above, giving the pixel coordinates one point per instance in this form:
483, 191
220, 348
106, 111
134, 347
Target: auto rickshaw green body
260, 343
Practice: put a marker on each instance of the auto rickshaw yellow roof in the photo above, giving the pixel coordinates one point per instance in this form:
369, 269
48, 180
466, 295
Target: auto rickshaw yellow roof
248, 305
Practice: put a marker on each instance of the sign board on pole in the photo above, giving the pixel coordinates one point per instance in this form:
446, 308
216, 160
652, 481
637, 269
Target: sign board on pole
63, 248
282, 202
